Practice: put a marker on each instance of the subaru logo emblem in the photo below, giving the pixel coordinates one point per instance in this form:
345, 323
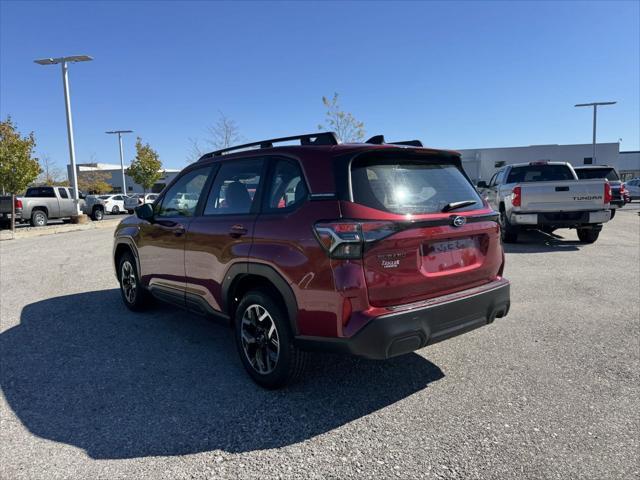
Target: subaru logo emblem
458, 221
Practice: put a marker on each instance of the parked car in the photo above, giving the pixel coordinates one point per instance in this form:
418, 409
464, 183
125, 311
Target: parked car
40, 204
633, 188
135, 200
374, 249
547, 196
589, 172
114, 203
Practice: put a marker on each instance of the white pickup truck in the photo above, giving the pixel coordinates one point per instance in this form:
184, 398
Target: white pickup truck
547, 196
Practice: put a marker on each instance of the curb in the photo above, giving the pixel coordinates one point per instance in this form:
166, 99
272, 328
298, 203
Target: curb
51, 230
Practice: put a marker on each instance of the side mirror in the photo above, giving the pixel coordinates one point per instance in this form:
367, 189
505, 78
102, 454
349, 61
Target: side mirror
482, 184
144, 211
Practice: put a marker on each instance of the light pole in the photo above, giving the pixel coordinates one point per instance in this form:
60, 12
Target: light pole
595, 115
120, 132
63, 61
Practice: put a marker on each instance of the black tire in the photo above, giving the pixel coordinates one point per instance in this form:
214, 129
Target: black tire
508, 232
613, 213
39, 218
115, 210
130, 212
289, 362
138, 300
97, 214
588, 235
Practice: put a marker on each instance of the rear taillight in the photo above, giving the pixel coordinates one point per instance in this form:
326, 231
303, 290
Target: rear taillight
607, 192
18, 203
345, 239
516, 200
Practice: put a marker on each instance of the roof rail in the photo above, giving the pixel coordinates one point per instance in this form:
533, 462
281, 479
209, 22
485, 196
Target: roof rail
379, 140
321, 138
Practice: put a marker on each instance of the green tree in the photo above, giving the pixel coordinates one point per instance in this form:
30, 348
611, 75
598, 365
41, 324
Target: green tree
344, 124
18, 167
94, 181
146, 168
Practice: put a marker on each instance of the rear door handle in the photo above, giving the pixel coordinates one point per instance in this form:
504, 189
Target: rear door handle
237, 231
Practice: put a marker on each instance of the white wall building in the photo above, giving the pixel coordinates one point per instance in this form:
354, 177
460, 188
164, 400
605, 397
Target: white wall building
113, 176
481, 163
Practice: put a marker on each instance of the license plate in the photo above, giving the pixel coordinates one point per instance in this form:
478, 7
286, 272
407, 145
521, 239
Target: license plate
450, 245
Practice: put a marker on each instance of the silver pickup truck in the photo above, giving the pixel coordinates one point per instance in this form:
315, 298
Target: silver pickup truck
547, 196
39, 204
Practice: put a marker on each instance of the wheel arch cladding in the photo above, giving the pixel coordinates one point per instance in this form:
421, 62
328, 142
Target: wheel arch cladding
243, 277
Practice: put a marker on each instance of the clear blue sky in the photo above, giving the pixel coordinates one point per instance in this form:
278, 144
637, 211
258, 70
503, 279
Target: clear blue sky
456, 75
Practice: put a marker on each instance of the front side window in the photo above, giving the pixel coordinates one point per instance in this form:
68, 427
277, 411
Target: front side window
234, 189
63, 193
287, 186
407, 186
174, 203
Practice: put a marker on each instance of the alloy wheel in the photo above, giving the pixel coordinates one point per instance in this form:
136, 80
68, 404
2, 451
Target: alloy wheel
128, 281
260, 339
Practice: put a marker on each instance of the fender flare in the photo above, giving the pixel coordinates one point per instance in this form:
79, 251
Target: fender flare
238, 270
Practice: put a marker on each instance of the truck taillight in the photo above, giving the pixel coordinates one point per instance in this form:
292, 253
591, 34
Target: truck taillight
346, 239
623, 190
607, 192
18, 203
516, 200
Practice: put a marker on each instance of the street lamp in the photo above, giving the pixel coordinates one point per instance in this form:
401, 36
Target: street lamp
595, 114
120, 132
63, 61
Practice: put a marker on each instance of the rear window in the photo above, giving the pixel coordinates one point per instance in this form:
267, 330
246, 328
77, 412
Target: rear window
539, 173
595, 173
40, 192
414, 187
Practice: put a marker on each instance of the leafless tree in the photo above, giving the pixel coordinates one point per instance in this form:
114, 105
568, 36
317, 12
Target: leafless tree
224, 133
50, 174
344, 124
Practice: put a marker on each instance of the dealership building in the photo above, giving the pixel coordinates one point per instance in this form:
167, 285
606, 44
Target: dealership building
481, 163
111, 173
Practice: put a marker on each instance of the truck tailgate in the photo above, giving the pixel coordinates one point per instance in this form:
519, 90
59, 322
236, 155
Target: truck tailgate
562, 196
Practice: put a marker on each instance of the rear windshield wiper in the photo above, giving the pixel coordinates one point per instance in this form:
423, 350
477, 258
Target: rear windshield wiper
455, 205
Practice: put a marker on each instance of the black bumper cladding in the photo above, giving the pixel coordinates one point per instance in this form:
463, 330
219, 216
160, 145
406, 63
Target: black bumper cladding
409, 329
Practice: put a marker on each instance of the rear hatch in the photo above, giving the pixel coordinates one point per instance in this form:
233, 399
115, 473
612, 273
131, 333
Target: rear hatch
421, 239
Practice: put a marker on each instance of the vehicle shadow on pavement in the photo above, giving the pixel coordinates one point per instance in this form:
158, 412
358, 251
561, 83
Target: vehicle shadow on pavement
83, 370
535, 241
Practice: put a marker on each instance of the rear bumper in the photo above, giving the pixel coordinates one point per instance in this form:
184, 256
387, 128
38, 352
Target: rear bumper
409, 329
7, 216
560, 219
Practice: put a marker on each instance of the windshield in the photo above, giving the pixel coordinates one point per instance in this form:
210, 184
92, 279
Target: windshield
594, 173
407, 186
539, 173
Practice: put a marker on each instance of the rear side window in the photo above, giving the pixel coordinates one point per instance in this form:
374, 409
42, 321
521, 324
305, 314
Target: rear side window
234, 189
406, 186
595, 173
539, 173
287, 186
41, 192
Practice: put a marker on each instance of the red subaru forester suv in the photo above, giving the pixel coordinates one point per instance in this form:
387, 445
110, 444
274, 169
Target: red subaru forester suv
376, 249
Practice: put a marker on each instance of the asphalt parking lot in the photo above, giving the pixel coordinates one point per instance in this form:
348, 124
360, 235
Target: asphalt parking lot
90, 390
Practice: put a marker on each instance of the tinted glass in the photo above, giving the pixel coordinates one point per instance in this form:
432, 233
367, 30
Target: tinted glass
539, 173
595, 173
174, 202
42, 192
235, 187
63, 193
287, 186
104, 197
411, 187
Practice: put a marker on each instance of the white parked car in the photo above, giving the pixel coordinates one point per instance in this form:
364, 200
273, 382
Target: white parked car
138, 199
633, 187
113, 203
